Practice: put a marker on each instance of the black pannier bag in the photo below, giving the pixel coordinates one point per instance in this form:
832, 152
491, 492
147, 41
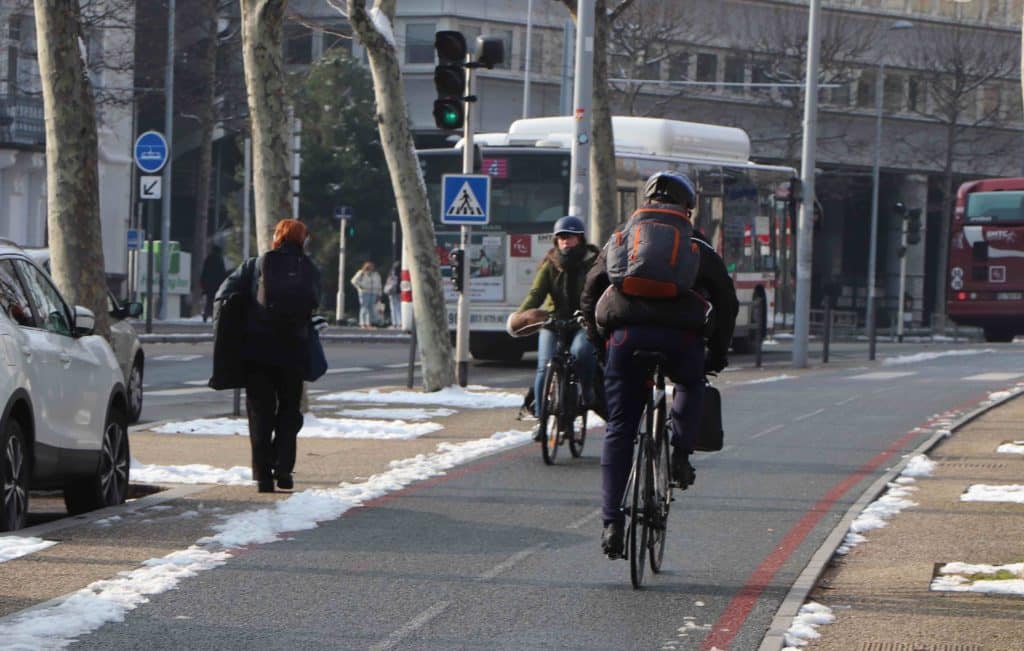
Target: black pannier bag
710, 436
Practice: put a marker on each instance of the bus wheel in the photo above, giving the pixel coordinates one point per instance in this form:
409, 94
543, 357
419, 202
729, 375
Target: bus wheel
998, 335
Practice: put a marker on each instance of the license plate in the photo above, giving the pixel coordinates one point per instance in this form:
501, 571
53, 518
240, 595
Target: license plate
1009, 296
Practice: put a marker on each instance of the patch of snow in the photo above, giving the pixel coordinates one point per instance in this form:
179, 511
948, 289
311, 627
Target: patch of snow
805, 624
955, 577
876, 514
12, 547
994, 493
194, 473
1017, 447
447, 397
312, 427
919, 466
411, 413
923, 357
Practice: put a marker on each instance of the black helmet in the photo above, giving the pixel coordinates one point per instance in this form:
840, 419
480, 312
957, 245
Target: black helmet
671, 187
569, 224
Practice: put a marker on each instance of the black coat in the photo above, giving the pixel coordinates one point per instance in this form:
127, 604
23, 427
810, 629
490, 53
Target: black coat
263, 341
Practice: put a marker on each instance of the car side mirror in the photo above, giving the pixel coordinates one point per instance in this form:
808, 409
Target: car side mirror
133, 310
85, 321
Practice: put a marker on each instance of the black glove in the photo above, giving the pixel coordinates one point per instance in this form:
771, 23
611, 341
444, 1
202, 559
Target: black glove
715, 362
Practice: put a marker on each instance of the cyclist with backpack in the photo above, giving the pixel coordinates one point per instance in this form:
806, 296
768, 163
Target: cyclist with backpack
283, 286
650, 290
560, 277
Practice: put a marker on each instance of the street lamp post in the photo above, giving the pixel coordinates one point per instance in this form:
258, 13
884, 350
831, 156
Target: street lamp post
873, 245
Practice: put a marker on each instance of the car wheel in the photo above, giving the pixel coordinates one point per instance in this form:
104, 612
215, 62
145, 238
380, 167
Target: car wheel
109, 486
13, 478
135, 392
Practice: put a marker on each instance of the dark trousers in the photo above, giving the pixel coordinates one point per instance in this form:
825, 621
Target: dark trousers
626, 390
272, 402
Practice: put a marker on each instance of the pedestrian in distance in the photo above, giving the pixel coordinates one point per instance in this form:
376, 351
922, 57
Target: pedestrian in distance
393, 290
656, 294
368, 285
283, 286
213, 274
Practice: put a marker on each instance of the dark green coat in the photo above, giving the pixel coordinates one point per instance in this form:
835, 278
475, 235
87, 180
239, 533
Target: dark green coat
563, 286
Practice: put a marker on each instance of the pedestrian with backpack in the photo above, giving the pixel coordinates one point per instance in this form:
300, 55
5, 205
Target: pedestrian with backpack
283, 289
368, 285
653, 288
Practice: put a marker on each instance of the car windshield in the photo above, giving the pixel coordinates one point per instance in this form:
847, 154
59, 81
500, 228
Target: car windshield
1003, 207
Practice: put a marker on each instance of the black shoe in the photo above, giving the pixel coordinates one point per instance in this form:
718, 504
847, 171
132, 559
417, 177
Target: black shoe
265, 486
683, 474
284, 482
612, 540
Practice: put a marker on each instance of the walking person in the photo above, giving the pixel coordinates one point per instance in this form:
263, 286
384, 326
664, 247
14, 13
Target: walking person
393, 290
212, 275
367, 283
283, 286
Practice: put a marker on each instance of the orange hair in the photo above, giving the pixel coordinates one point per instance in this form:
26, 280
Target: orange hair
289, 230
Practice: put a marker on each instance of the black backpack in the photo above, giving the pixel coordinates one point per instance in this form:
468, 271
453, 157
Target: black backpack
285, 289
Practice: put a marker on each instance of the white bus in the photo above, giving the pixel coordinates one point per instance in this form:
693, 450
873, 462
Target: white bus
745, 209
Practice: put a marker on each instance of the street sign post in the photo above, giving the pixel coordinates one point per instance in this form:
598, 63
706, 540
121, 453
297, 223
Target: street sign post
134, 239
342, 214
150, 152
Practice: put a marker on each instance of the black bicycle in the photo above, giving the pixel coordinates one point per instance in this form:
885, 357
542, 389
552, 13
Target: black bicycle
562, 413
648, 493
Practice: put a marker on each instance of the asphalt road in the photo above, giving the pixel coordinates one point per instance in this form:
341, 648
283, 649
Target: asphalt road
503, 554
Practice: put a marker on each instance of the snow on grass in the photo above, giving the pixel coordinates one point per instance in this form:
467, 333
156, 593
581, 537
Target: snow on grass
312, 427
193, 473
108, 601
924, 357
12, 546
447, 397
966, 577
805, 624
1016, 447
994, 493
919, 466
410, 413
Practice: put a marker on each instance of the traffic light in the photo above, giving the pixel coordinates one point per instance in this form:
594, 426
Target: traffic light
457, 263
914, 226
450, 80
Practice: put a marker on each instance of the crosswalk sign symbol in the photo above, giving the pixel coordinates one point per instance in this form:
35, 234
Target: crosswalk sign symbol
465, 198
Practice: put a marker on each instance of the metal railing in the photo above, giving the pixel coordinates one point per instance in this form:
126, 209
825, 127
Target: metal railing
21, 120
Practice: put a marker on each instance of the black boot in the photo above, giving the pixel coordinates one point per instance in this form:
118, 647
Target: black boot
612, 540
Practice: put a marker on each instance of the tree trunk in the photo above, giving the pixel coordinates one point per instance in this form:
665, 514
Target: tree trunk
72, 177
948, 201
205, 111
410, 191
603, 213
262, 33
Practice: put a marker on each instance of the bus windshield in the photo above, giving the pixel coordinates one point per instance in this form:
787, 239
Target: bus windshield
1005, 207
529, 191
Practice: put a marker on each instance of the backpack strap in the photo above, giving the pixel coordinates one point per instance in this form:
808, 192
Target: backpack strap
666, 211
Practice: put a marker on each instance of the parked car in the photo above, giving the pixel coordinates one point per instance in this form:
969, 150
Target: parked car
124, 339
64, 418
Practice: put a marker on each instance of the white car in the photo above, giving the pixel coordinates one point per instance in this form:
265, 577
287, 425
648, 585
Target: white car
123, 338
64, 423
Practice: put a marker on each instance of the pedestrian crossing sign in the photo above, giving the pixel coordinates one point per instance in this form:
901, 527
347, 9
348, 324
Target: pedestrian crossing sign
465, 198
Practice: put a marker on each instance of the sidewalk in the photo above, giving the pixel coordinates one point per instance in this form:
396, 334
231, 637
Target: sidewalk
881, 595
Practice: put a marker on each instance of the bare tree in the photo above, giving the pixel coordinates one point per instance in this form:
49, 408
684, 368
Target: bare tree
959, 75
262, 30
603, 212
72, 177
374, 31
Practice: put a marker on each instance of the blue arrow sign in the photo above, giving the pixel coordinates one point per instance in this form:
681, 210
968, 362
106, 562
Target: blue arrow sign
465, 198
151, 152
134, 239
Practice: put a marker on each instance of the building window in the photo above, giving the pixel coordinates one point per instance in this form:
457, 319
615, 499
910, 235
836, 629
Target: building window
679, 66
1014, 106
506, 38
470, 32
14, 28
915, 95
893, 98
866, 89
990, 102
707, 67
536, 51
760, 73
337, 39
650, 70
419, 42
298, 44
840, 95
735, 73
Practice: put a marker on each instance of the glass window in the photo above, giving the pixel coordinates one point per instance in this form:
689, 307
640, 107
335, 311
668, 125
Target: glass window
298, 44
49, 306
419, 42
13, 300
840, 95
915, 95
866, 89
990, 102
735, 73
893, 98
14, 28
1004, 207
679, 67
1014, 107
536, 51
707, 67
337, 38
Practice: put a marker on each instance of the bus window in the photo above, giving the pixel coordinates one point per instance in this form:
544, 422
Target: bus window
1003, 207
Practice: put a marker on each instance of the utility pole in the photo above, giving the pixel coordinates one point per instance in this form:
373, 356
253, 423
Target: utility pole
528, 58
565, 95
462, 309
873, 246
805, 241
296, 124
165, 222
583, 93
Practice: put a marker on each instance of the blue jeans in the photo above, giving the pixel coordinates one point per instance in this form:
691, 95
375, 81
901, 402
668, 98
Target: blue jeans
586, 362
367, 305
396, 310
626, 389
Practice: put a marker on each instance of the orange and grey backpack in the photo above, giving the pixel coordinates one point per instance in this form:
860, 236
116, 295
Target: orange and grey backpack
653, 255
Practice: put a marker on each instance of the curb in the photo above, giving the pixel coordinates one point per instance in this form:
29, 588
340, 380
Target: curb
202, 338
774, 639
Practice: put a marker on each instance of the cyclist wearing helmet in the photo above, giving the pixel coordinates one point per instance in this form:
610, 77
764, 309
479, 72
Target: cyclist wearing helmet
560, 277
673, 326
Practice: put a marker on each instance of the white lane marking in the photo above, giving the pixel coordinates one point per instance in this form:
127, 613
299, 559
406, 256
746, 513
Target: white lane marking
593, 515
882, 375
175, 358
813, 413
993, 377
773, 428
179, 392
402, 365
350, 369
197, 383
511, 562
410, 627
848, 400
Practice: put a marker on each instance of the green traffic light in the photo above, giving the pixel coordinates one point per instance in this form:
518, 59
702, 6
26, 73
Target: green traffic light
451, 119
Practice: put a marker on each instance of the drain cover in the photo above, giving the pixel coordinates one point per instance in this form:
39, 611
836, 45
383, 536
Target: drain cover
917, 646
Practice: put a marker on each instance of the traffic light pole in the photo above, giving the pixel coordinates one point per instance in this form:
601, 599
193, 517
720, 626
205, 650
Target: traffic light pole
903, 280
462, 314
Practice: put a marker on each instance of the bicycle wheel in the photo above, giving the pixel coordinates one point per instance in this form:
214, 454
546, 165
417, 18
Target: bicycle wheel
661, 472
578, 432
639, 529
550, 409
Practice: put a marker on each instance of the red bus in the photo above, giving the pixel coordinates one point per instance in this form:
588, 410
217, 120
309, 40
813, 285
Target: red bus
986, 258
